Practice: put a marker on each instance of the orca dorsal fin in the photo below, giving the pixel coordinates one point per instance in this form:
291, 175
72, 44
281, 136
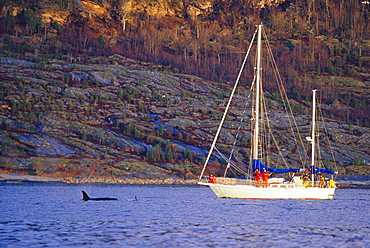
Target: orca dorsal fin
85, 196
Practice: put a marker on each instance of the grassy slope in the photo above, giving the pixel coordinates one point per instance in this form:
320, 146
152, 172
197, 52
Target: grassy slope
103, 119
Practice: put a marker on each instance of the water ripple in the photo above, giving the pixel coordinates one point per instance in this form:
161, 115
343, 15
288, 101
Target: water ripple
177, 216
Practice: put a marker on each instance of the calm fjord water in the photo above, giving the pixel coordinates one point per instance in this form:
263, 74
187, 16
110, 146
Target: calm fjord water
52, 215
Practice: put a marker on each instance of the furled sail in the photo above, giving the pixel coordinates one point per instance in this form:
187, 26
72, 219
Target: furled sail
257, 164
316, 170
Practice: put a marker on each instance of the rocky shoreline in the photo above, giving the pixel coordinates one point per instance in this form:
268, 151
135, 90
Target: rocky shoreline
113, 180
350, 181
18, 178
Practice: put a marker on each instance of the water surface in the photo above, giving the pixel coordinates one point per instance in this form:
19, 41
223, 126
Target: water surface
50, 215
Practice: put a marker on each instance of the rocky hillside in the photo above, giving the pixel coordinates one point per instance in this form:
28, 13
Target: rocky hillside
136, 88
208, 37
117, 116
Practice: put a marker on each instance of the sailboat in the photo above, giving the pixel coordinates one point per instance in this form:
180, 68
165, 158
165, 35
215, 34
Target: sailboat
297, 184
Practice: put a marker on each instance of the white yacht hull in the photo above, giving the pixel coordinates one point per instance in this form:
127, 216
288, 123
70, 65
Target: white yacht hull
278, 191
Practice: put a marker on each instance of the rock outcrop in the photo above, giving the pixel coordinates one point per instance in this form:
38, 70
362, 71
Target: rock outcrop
108, 118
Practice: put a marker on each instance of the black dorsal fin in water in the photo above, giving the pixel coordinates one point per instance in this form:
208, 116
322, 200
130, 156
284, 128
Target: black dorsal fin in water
87, 198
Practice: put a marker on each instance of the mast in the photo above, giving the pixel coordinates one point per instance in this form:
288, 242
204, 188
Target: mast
258, 76
227, 108
313, 131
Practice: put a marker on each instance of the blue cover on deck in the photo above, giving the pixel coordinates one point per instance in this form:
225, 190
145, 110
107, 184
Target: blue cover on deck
257, 164
316, 170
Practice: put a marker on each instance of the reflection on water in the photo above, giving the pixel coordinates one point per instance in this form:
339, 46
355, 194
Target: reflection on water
167, 216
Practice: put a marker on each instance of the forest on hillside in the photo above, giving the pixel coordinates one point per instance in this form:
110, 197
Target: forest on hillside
312, 38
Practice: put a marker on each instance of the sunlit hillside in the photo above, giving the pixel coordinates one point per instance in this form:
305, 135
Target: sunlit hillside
136, 88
